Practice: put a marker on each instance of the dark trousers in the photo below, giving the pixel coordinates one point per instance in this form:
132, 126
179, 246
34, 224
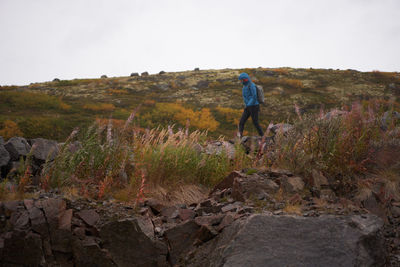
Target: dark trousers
253, 112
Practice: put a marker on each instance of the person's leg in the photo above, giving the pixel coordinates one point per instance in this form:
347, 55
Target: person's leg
254, 116
243, 119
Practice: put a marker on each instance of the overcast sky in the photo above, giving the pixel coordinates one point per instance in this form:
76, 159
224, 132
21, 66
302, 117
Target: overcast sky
45, 39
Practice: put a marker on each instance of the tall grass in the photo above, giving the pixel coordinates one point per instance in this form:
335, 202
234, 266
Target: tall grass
110, 159
343, 147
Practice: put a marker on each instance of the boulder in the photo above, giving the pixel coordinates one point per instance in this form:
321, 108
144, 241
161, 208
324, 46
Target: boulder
127, 244
103, 76
20, 220
373, 205
155, 205
281, 128
134, 74
202, 84
181, 239
22, 249
251, 186
4, 159
89, 253
170, 212
90, 217
219, 147
144, 73
17, 147
146, 224
292, 184
186, 214
44, 149
161, 72
319, 180
38, 221
56, 80
268, 240
196, 69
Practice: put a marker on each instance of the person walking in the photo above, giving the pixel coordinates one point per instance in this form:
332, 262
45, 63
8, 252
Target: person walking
252, 106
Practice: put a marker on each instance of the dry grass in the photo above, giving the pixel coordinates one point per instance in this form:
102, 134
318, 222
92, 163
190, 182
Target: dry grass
293, 209
183, 194
101, 107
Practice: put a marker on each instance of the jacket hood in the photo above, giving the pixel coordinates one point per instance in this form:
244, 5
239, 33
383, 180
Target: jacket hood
244, 76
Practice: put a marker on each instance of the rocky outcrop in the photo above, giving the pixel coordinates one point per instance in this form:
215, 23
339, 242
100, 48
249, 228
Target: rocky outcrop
40, 150
243, 222
54, 232
268, 240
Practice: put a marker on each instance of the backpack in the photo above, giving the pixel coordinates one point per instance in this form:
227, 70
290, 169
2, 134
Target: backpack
260, 94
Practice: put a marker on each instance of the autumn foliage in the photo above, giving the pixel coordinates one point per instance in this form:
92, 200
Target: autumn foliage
231, 115
176, 113
10, 129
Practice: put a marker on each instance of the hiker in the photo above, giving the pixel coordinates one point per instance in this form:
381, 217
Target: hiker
252, 106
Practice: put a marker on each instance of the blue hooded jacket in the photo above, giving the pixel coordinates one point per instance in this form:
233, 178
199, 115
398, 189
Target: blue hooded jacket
249, 91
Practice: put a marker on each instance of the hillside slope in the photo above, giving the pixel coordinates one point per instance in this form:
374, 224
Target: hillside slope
209, 99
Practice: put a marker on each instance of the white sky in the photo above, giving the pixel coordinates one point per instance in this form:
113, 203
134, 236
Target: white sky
44, 39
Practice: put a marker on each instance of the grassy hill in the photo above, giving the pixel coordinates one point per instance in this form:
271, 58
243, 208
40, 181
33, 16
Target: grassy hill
209, 99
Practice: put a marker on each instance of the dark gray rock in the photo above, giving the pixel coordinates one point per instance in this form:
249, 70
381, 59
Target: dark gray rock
21, 249
181, 239
292, 184
146, 225
89, 253
186, 214
20, 220
127, 244
144, 73
134, 74
221, 147
17, 147
2, 140
90, 217
267, 240
4, 159
202, 84
170, 212
155, 205
196, 69
161, 72
44, 149
388, 117
104, 76
281, 128
56, 80
38, 221
247, 186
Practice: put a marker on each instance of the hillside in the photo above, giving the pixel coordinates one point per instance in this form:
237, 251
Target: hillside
210, 99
